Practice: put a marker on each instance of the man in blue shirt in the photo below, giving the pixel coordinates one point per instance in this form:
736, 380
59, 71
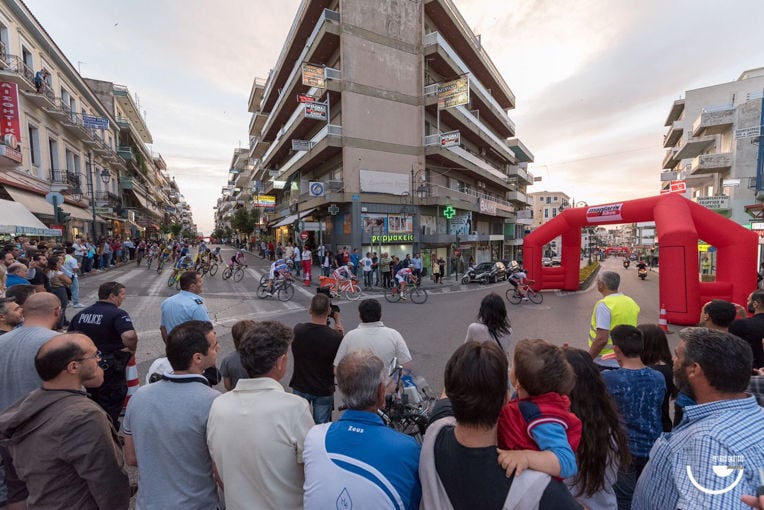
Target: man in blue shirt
712, 458
358, 461
186, 305
638, 391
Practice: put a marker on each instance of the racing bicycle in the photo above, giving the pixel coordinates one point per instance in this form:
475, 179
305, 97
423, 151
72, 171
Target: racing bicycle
515, 297
161, 262
417, 294
237, 272
283, 288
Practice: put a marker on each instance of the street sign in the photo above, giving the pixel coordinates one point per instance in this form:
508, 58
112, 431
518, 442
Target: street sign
316, 189
304, 235
356, 198
92, 122
54, 198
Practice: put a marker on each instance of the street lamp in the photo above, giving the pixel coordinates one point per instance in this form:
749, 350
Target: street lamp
105, 178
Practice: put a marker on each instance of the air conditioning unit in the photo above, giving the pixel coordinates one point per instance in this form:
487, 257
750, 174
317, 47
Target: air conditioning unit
334, 185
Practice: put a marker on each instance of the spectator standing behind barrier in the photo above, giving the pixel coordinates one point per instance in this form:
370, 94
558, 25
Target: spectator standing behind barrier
638, 392
603, 448
62, 443
256, 432
657, 355
166, 422
752, 330
313, 350
713, 368
379, 466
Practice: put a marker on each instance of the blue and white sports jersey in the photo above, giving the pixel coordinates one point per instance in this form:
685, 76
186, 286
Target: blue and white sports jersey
357, 462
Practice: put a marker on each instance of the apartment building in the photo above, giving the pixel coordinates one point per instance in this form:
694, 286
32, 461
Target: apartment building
386, 128
65, 134
713, 148
546, 205
240, 191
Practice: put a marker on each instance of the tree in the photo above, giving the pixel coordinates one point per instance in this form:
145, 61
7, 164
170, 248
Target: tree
245, 221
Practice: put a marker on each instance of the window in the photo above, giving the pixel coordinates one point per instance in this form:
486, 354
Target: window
546, 213
555, 199
554, 212
548, 200
34, 145
53, 151
26, 56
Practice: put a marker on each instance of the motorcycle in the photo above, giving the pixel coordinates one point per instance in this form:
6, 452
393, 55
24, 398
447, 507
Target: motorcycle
642, 272
407, 408
626, 263
482, 275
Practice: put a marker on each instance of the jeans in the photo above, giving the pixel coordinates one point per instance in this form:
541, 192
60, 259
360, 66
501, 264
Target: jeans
76, 290
627, 482
322, 406
367, 278
105, 259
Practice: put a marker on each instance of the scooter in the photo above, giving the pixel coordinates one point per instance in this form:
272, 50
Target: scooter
642, 272
626, 263
473, 276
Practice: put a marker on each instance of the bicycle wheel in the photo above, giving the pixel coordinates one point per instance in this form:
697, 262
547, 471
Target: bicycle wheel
513, 297
535, 297
227, 272
264, 279
213, 269
238, 274
177, 283
160, 266
392, 295
418, 295
171, 280
352, 291
262, 291
286, 292
148, 263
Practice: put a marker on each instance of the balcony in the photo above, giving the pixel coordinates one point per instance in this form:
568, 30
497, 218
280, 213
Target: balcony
256, 123
126, 153
521, 173
107, 197
325, 144
714, 121
257, 147
16, 71
44, 99
476, 131
673, 134
670, 160
73, 124
447, 20
522, 153
9, 157
676, 111
256, 95
711, 163
59, 110
122, 97
449, 63
59, 180
298, 45
3, 56
518, 197
451, 156
695, 146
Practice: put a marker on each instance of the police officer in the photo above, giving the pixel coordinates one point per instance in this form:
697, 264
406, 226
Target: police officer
184, 306
187, 305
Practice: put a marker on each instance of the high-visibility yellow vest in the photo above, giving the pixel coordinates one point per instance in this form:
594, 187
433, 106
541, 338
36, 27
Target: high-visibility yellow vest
623, 310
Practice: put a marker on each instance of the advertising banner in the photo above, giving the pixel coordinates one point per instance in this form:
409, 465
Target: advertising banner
454, 93
265, 201
92, 122
313, 76
450, 139
400, 224
11, 124
604, 213
316, 111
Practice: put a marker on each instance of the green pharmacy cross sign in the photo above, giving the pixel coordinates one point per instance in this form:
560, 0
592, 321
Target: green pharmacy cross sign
449, 212
333, 210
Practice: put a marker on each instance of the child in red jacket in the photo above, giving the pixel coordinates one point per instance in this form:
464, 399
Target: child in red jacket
537, 428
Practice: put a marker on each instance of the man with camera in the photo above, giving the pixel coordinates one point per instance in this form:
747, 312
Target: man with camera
314, 347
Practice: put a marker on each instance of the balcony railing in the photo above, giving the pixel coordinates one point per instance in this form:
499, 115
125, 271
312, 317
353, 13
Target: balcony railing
59, 177
328, 130
17, 65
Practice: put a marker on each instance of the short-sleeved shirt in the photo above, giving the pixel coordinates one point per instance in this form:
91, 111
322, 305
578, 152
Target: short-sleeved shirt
639, 396
168, 422
752, 331
232, 368
183, 307
313, 350
386, 343
104, 323
69, 266
18, 349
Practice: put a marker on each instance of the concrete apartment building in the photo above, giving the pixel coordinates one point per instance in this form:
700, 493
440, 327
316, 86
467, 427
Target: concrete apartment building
713, 145
363, 163
68, 137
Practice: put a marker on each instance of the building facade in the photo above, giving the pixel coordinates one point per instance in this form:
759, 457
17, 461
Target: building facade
356, 139
66, 135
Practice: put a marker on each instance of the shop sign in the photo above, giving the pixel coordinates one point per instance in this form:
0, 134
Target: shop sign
450, 139
313, 76
265, 201
11, 123
393, 238
715, 202
454, 93
487, 206
316, 111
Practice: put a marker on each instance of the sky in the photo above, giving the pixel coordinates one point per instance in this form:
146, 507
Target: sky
594, 79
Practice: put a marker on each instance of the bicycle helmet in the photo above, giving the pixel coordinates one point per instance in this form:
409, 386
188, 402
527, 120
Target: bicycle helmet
290, 262
350, 264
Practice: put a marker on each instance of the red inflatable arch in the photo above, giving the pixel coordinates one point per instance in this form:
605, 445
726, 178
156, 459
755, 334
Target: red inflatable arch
679, 223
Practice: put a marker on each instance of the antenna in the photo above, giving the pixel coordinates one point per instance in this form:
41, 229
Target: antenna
79, 66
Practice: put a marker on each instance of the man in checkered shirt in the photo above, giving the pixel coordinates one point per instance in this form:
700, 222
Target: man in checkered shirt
713, 457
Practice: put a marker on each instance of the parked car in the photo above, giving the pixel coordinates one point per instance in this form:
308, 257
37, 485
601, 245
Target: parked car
486, 272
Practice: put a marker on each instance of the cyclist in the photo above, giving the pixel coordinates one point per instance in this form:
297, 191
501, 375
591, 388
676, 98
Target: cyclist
153, 251
216, 255
140, 251
238, 259
517, 278
184, 263
402, 277
343, 272
279, 269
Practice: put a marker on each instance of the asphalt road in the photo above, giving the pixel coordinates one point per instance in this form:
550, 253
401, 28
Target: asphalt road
432, 330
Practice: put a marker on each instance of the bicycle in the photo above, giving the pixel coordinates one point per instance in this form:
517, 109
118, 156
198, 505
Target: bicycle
174, 278
161, 262
283, 288
413, 291
237, 273
514, 296
149, 259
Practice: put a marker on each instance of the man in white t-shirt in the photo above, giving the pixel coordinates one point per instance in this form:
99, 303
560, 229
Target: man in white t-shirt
365, 264
371, 335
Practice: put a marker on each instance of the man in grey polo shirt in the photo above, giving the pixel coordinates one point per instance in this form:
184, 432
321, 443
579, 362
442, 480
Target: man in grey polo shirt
165, 426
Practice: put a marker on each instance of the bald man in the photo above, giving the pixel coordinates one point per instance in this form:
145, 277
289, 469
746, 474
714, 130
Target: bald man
18, 377
62, 443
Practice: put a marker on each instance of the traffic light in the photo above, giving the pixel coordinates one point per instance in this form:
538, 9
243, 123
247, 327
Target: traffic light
60, 217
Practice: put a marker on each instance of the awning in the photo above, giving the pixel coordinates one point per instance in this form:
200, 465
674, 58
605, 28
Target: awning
292, 217
38, 205
140, 199
17, 220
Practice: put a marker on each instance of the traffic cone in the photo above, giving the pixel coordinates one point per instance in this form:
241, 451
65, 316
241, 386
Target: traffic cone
662, 319
131, 374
